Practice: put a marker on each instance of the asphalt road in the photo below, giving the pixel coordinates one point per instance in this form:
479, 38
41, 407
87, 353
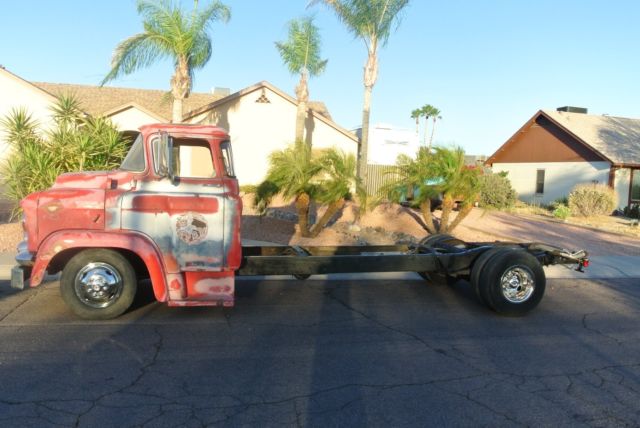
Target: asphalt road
318, 353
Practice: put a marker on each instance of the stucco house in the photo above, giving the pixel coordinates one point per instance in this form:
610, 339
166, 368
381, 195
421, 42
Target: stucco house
260, 118
558, 149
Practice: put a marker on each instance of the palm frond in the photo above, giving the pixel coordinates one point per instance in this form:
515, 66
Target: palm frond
301, 51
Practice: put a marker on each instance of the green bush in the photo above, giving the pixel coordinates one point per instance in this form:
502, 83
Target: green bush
592, 199
496, 191
632, 211
561, 211
248, 188
74, 143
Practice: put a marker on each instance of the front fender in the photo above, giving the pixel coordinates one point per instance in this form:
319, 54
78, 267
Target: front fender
138, 243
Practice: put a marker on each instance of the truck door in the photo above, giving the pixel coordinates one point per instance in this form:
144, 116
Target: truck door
182, 210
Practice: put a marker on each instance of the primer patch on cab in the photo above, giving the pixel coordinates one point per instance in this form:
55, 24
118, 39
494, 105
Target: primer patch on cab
191, 228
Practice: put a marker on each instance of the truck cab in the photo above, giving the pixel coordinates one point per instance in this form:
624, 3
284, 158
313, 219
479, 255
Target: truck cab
171, 213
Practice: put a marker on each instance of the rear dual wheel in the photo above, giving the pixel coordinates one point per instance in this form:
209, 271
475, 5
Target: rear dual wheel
510, 281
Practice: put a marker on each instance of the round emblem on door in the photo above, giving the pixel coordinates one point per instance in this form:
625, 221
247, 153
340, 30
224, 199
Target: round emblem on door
191, 228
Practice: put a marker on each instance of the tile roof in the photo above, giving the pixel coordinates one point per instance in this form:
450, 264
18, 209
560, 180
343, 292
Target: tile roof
96, 100
617, 138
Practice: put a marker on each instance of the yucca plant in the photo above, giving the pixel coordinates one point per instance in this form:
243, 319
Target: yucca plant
75, 142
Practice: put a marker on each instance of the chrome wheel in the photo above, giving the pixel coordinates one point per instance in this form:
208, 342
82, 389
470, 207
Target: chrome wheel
98, 285
518, 284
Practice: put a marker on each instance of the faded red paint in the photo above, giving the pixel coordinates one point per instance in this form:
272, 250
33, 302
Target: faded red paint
173, 205
187, 232
59, 242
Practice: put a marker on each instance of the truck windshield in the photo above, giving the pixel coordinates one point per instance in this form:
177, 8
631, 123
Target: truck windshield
134, 161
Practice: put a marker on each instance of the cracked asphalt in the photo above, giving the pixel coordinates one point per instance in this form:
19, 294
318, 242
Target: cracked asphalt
326, 353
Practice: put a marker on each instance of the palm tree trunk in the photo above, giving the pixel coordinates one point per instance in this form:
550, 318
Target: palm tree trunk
302, 207
447, 206
425, 208
180, 88
176, 114
363, 144
424, 137
433, 129
332, 209
370, 76
302, 94
462, 213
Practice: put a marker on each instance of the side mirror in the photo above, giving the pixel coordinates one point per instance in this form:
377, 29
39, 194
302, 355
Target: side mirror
163, 156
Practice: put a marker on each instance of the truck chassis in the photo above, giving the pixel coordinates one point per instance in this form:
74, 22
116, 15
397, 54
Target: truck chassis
506, 276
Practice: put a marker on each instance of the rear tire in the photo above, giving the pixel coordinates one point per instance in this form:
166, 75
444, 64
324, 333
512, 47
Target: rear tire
477, 268
512, 281
98, 284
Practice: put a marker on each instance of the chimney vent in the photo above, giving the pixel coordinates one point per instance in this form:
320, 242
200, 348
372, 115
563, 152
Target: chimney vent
571, 109
222, 92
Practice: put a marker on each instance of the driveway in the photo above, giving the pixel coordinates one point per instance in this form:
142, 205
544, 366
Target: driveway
505, 226
317, 353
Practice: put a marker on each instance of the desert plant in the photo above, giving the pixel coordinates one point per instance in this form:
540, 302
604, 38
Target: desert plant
561, 212
75, 143
496, 191
632, 211
299, 174
592, 199
436, 173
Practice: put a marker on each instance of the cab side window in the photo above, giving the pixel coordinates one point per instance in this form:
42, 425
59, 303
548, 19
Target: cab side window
192, 159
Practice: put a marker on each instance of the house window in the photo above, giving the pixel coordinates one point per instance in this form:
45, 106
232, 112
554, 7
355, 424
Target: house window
540, 181
634, 194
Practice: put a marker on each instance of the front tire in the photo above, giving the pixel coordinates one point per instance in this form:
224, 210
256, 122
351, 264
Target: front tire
98, 284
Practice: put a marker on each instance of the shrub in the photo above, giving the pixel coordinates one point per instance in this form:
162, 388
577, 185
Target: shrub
592, 199
561, 211
496, 191
75, 143
248, 188
632, 211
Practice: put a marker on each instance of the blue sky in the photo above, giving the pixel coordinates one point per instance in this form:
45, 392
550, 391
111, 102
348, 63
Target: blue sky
487, 65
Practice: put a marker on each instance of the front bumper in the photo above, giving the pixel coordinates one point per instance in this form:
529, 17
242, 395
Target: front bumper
20, 276
22, 271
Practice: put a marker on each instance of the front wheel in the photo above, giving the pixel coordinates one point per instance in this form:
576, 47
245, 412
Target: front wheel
98, 284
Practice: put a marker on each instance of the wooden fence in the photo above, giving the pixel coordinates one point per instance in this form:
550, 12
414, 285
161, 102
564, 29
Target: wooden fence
377, 176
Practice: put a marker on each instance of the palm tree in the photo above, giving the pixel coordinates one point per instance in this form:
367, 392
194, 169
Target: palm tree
371, 21
169, 32
340, 179
303, 176
459, 183
425, 111
434, 113
433, 174
416, 114
301, 54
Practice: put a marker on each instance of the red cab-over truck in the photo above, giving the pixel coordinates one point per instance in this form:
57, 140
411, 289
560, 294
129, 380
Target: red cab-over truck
172, 213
